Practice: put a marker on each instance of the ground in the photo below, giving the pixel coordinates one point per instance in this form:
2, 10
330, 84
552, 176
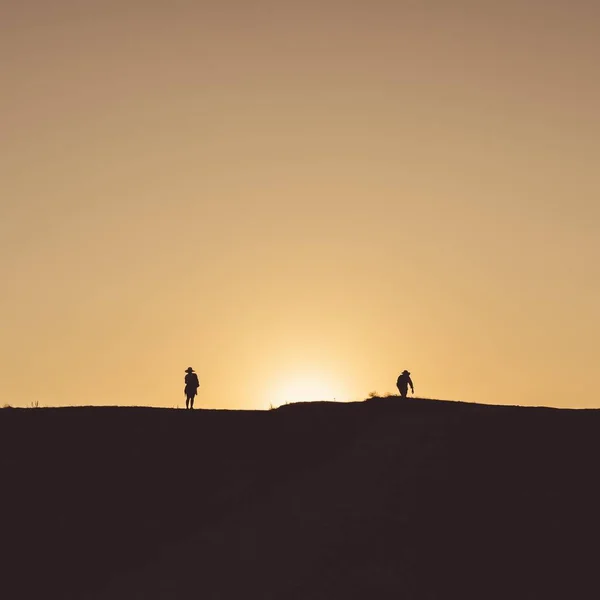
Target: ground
386, 498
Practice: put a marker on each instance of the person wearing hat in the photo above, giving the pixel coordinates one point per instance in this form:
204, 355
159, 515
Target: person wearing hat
191, 387
403, 382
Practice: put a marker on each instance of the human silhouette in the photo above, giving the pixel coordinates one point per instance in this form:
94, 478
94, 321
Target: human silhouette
403, 382
191, 387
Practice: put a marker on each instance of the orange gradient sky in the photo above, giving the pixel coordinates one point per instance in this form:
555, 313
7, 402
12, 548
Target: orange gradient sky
299, 199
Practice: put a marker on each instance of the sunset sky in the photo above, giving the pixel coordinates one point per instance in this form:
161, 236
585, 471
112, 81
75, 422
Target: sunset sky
299, 200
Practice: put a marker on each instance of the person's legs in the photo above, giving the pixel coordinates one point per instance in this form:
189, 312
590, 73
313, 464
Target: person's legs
192, 401
403, 391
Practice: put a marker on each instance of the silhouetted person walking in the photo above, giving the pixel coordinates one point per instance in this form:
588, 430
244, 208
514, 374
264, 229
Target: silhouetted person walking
191, 387
403, 382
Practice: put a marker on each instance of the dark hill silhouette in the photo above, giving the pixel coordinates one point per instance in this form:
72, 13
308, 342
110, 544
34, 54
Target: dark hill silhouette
387, 498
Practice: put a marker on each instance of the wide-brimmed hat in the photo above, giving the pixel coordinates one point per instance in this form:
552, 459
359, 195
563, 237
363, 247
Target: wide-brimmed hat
189, 370
405, 372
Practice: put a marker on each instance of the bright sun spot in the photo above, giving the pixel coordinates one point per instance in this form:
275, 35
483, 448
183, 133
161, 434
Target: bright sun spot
301, 389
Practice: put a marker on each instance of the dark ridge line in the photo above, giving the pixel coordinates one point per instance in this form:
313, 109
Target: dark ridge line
388, 401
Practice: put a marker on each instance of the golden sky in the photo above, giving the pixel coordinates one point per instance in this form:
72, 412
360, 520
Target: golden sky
300, 200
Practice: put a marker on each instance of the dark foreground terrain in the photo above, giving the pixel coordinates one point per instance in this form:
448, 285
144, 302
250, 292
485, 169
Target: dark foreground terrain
388, 498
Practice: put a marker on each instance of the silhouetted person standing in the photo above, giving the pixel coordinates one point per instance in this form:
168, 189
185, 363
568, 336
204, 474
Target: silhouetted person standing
403, 382
191, 387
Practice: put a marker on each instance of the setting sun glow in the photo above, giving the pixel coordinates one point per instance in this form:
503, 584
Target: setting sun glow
301, 388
